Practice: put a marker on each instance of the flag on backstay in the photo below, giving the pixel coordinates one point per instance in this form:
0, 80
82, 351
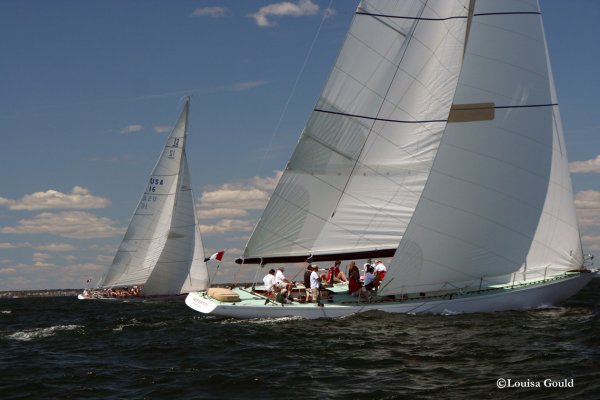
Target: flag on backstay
217, 256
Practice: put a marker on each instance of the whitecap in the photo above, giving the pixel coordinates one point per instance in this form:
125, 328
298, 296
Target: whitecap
40, 333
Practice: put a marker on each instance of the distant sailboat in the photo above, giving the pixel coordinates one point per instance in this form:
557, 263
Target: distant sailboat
436, 142
161, 253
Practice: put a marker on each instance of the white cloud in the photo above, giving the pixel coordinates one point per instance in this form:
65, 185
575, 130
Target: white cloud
132, 128
578, 167
328, 12
56, 247
162, 129
39, 260
104, 259
213, 213
587, 203
67, 224
6, 245
591, 243
231, 197
241, 86
209, 12
285, 8
227, 225
232, 202
7, 271
79, 198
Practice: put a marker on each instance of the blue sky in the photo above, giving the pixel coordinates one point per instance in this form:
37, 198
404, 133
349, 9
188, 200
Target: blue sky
88, 91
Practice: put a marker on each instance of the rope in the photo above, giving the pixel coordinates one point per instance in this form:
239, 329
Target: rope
287, 103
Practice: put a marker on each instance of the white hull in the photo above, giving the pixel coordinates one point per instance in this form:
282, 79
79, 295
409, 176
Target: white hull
531, 296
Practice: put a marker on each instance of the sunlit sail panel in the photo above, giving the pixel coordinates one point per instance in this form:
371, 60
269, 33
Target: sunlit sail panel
495, 184
362, 160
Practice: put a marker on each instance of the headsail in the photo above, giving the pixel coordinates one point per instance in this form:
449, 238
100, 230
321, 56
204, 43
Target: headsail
360, 166
499, 198
162, 248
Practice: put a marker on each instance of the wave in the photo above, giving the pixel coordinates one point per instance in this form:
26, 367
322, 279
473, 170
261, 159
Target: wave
40, 333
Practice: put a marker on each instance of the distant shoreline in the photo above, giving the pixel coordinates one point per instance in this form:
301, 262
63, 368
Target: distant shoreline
17, 294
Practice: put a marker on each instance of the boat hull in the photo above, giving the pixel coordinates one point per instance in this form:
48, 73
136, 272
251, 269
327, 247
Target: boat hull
533, 296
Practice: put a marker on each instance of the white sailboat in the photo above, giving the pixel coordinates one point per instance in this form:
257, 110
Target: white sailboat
436, 141
161, 253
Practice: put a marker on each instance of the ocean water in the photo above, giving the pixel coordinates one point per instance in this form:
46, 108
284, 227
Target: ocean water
64, 348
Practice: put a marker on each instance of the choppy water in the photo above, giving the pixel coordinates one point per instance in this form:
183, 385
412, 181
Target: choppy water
68, 349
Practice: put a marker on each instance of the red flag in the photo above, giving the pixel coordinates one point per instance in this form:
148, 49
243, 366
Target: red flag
217, 256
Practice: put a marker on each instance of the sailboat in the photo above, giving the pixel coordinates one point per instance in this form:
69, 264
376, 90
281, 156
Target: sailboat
161, 253
436, 142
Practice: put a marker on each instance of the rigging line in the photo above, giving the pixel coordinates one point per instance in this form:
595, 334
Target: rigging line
429, 120
380, 119
410, 18
451, 17
289, 99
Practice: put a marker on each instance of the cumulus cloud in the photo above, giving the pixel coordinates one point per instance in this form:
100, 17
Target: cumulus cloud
578, 167
231, 199
209, 12
232, 202
213, 213
6, 245
67, 224
162, 129
587, 203
79, 198
591, 243
55, 247
226, 226
132, 128
285, 8
40, 260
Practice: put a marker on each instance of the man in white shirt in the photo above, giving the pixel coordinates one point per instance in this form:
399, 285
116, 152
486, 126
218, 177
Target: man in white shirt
282, 282
315, 284
269, 280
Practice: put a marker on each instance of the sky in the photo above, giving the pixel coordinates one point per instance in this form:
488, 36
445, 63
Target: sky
89, 91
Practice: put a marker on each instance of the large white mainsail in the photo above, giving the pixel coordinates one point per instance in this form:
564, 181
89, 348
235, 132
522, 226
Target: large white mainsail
498, 199
162, 248
360, 166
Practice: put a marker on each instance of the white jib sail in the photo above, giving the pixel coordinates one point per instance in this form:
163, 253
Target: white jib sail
498, 202
363, 158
